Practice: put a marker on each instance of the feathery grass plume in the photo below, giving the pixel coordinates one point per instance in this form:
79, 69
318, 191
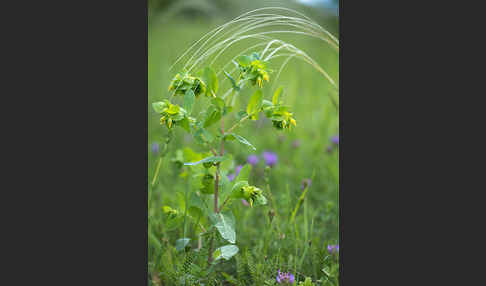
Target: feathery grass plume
262, 25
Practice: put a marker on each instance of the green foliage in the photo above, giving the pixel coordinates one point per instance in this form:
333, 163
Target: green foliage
225, 252
291, 227
211, 79
225, 224
232, 136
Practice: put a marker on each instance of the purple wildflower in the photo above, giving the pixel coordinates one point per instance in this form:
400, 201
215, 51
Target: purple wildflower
270, 158
285, 278
155, 148
238, 169
335, 139
306, 183
333, 248
252, 160
244, 202
232, 176
329, 149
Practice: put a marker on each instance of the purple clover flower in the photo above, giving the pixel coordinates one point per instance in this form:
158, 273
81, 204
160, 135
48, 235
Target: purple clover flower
333, 248
335, 139
285, 278
270, 158
155, 148
252, 160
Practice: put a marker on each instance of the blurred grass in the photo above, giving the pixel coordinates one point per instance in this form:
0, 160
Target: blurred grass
307, 92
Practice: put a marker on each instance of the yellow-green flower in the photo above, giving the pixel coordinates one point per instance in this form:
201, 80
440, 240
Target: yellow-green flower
181, 83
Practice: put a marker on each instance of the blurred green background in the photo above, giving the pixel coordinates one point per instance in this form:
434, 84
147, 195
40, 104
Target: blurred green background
306, 150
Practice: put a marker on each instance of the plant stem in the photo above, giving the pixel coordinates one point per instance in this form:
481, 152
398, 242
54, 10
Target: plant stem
216, 190
238, 123
157, 171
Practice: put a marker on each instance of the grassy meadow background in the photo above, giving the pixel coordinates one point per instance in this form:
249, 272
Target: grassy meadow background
265, 245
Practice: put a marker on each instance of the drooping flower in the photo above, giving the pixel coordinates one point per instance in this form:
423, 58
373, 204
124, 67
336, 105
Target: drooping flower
335, 139
333, 248
155, 148
270, 158
285, 277
252, 160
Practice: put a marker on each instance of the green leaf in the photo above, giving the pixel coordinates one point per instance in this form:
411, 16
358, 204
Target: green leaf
181, 243
153, 241
254, 104
203, 136
276, 95
244, 60
184, 123
213, 159
225, 224
299, 202
218, 102
213, 115
159, 106
231, 136
211, 80
225, 252
233, 82
189, 99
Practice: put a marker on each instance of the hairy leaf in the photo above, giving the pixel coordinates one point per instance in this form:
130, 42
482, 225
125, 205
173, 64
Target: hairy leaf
225, 252
231, 136
181, 243
225, 224
189, 99
211, 80
213, 159
276, 95
254, 104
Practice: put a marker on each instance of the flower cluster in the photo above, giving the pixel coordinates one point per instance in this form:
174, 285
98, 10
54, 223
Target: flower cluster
253, 194
172, 114
182, 83
170, 212
285, 277
282, 119
270, 159
253, 69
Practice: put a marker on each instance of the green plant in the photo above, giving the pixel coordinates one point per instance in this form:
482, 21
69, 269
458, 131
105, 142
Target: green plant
209, 198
